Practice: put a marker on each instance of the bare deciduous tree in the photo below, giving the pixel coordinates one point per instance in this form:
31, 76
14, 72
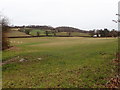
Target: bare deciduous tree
4, 30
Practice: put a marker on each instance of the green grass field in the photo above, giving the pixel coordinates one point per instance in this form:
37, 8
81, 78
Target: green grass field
34, 32
59, 62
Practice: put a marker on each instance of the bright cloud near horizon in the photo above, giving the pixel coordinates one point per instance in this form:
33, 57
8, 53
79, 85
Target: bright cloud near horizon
82, 14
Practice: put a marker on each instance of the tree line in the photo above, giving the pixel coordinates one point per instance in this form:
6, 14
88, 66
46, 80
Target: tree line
105, 33
49, 29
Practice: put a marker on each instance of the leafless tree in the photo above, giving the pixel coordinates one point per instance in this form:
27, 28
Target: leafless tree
4, 30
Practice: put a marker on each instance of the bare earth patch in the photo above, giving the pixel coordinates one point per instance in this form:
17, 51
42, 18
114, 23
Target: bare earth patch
13, 48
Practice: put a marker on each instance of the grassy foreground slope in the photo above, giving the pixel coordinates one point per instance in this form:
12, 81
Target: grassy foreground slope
59, 62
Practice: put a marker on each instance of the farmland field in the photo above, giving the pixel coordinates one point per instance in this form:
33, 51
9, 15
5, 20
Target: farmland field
42, 32
34, 32
16, 33
59, 62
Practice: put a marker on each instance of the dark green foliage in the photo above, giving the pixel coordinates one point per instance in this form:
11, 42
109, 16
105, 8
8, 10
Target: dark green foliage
27, 31
69, 33
38, 33
114, 33
54, 32
105, 33
46, 33
101, 32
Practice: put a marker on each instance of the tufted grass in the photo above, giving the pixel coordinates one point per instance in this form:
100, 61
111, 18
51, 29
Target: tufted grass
65, 62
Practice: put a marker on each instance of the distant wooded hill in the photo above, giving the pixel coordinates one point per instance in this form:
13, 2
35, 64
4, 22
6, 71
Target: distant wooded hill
69, 29
58, 29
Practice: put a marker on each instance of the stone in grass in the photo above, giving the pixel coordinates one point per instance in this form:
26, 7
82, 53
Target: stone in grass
22, 59
39, 58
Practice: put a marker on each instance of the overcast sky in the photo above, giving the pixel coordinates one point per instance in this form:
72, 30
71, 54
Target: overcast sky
82, 14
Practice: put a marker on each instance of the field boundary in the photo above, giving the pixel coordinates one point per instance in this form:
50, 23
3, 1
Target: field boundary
45, 36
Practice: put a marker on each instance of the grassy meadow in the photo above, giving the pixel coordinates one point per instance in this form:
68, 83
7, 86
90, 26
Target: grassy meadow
59, 62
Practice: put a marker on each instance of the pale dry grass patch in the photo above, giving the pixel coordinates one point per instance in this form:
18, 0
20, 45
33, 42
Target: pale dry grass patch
73, 41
